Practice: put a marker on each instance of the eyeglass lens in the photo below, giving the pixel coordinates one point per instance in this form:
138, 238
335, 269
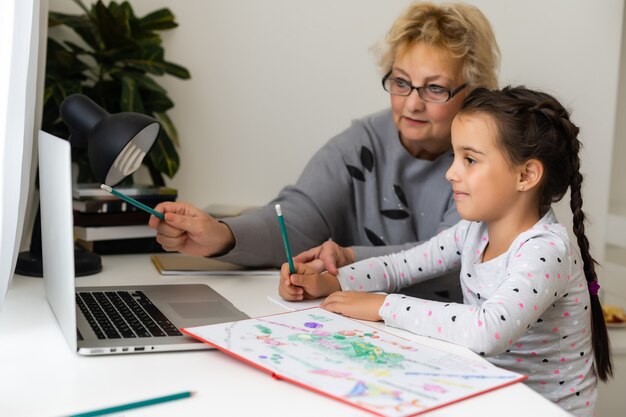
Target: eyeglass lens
401, 87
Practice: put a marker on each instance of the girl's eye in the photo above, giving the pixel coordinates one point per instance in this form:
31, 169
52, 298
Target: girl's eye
470, 161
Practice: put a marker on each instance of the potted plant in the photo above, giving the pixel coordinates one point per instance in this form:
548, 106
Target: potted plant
114, 64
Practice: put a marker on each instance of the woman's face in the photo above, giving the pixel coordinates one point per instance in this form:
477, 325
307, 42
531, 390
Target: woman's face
425, 127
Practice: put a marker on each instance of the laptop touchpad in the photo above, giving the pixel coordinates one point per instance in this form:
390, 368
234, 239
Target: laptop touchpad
199, 309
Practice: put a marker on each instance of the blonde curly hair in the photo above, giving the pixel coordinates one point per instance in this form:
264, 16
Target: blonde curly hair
459, 29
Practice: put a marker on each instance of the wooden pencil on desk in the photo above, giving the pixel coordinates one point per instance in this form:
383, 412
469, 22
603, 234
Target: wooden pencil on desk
137, 404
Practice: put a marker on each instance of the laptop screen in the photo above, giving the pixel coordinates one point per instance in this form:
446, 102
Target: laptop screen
55, 195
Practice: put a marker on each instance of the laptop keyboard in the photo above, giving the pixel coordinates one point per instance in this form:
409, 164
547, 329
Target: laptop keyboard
123, 314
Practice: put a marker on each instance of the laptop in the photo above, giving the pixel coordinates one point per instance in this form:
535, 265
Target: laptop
114, 319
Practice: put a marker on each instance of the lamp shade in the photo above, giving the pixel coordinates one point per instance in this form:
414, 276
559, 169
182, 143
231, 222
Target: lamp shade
116, 143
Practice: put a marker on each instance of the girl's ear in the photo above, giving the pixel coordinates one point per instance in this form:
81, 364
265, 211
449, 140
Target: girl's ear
530, 175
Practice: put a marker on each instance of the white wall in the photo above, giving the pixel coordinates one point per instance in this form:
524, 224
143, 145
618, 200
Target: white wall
273, 80
618, 191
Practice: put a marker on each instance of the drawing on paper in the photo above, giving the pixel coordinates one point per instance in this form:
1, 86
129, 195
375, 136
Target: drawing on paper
343, 358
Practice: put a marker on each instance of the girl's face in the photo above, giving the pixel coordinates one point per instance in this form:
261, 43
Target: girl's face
425, 127
484, 182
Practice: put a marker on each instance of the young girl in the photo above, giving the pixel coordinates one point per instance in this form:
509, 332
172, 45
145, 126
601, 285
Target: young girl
530, 296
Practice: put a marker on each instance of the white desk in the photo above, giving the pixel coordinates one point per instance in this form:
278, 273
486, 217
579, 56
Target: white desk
40, 376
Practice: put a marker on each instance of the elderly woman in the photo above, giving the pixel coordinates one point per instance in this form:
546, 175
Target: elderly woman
391, 163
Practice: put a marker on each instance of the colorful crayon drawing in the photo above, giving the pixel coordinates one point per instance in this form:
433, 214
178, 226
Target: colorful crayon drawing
348, 360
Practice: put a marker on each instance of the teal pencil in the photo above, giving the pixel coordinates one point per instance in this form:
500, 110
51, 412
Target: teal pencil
138, 404
283, 231
132, 201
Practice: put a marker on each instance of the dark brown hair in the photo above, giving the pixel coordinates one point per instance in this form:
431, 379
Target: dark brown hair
534, 125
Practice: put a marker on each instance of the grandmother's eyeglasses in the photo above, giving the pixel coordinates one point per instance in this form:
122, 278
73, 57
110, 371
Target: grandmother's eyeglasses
431, 93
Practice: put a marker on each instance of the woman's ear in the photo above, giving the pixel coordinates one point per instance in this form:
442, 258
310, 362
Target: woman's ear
530, 175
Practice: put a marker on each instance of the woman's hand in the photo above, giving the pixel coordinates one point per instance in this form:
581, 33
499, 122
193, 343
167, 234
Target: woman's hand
306, 283
358, 305
327, 257
189, 230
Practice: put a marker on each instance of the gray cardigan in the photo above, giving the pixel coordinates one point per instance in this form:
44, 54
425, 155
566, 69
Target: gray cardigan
361, 189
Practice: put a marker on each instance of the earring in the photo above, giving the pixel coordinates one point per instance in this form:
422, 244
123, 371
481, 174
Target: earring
521, 188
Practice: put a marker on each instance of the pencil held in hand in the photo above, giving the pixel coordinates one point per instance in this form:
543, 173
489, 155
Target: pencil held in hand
283, 232
132, 201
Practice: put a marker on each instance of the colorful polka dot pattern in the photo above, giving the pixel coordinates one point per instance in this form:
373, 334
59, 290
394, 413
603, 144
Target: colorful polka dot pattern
526, 310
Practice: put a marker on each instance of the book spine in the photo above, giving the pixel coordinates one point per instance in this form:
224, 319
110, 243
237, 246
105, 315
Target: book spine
110, 219
109, 197
116, 205
97, 193
122, 246
113, 232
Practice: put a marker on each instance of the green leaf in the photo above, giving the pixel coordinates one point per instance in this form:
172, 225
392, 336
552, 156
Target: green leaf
70, 20
168, 127
147, 65
158, 67
122, 11
114, 29
81, 25
156, 102
164, 155
176, 70
131, 99
146, 83
142, 58
161, 19
143, 81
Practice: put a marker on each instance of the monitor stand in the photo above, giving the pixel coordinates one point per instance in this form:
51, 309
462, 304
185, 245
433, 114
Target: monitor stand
30, 263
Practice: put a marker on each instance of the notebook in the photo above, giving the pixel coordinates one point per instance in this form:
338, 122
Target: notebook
177, 264
355, 363
111, 320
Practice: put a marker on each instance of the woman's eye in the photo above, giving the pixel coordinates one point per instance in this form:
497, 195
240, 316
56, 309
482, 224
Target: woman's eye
436, 89
400, 83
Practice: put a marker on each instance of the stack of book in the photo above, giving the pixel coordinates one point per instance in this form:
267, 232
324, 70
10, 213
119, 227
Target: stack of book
106, 225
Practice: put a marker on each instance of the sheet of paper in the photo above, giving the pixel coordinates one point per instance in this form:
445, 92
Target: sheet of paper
355, 363
295, 305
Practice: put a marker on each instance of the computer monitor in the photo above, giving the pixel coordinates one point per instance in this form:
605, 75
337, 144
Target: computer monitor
23, 33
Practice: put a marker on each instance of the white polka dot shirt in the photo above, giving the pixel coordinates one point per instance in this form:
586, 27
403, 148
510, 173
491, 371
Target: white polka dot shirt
526, 310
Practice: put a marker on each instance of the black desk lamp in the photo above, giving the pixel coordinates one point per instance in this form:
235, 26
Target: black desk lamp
116, 145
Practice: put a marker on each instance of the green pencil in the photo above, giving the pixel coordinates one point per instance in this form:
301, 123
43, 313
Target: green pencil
283, 231
130, 406
132, 201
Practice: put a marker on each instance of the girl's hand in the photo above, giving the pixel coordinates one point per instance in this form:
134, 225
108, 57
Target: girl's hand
306, 283
358, 305
327, 257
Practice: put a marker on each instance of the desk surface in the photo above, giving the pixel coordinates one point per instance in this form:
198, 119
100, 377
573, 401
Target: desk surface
40, 376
